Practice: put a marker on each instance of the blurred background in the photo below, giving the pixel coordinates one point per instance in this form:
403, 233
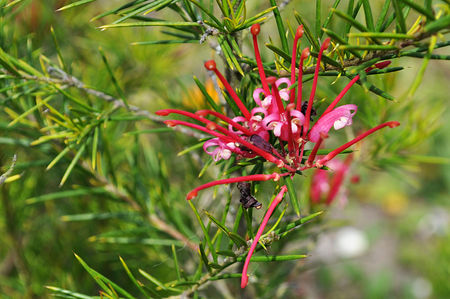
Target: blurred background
390, 240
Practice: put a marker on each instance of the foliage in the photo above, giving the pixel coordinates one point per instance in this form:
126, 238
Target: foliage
92, 163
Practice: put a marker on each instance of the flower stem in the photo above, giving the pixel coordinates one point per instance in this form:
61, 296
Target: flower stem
275, 202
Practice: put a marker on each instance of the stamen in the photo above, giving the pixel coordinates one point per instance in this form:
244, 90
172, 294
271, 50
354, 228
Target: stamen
337, 180
291, 149
298, 35
276, 94
225, 119
254, 177
305, 54
380, 65
273, 205
324, 46
334, 153
229, 137
255, 29
211, 65
313, 154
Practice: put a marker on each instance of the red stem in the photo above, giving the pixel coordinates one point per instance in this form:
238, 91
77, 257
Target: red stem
298, 35
324, 46
379, 65
313, 154
227, 120
275, 202
255, 177
230, 137
305, 54
211, 65
255, 29
334, 153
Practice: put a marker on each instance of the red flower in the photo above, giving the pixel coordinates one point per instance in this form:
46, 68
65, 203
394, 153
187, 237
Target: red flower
286, 121
277, 111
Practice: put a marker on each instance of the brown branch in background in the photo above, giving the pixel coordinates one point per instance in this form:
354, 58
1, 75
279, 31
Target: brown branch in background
153, 219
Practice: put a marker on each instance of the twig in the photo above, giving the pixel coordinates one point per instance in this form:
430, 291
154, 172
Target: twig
58, 76
4, 176
382, 55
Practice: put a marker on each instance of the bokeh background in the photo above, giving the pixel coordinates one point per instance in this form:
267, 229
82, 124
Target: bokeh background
391, 240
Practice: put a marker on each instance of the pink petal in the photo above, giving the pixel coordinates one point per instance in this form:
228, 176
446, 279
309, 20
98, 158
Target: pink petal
256, 95
297, 117
240, 120
342, 115
277, 129
267, 120
284, 80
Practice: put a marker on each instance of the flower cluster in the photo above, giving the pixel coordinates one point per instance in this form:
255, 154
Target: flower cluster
280, 111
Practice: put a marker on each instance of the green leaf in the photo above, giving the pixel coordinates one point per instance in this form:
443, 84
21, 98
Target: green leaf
74, 4
72, 164
66, 194
290, 226
157, 282
255, 19
133, 279
102, 280
420, 9
191, 148
350, 20
423, 67
208, 98
205, 231
388, 35
334, 36
146, 24
280, 26
217, 222
368, 15
165, 42
142, 241
58, 157
314, 43
382, 16
438, 25
399, 16
318, 23
368, 47
328, 19
58, 49
67, 293
204, 257
292, 194
113, 78
175, 261
278, 51
238, 240
218, 24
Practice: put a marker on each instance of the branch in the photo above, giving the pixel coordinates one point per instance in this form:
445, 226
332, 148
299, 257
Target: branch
4, 176
61, 77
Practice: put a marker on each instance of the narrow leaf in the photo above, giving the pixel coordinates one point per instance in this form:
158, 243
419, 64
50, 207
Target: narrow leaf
74, 4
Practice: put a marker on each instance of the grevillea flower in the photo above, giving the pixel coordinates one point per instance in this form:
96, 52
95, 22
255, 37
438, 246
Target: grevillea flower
327, 186
280, 111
